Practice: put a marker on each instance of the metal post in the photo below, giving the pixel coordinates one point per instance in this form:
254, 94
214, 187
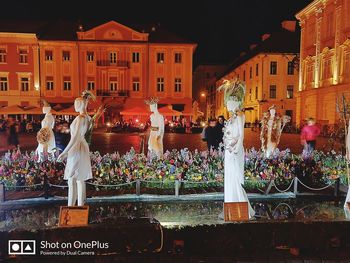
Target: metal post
336, 187
177, 187
138, 187
295, 185
269, 187
46, 187
2, 193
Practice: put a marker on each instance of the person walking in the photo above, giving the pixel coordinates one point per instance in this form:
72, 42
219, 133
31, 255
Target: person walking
212, 135
12, 139
308, 136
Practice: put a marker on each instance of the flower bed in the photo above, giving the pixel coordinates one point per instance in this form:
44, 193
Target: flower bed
197, 171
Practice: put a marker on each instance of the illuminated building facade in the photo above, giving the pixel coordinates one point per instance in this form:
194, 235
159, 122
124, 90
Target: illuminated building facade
122, 66
324, 59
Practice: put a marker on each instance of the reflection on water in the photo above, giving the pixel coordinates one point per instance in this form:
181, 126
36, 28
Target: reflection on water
182, 213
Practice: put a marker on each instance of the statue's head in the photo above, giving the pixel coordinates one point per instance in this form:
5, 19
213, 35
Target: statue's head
272, 110
234, 94
153, 104
46, 109
80, 104
232, 105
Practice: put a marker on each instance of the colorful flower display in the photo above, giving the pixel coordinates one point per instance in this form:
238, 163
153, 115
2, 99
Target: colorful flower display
200, 169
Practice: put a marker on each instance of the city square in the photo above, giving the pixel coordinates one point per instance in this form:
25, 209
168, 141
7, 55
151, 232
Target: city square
175, 132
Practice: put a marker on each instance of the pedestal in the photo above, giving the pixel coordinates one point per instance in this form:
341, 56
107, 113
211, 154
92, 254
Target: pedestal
236, 211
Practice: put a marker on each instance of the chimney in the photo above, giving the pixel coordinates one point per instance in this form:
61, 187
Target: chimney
252, 46
289, 25
265, 36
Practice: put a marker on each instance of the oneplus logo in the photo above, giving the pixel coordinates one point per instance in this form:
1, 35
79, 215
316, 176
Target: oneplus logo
21, 247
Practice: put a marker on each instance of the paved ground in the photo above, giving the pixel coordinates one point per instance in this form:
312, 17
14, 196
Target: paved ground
122, 142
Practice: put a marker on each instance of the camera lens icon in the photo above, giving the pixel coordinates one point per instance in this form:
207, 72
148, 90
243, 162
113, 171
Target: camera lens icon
15, 247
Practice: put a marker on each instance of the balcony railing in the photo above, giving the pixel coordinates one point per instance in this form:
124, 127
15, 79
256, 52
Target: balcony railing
119, 63
118, 93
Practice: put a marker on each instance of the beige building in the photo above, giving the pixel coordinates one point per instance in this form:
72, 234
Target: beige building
270, 72
324, 59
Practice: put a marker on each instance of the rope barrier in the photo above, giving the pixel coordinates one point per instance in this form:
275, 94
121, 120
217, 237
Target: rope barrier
314, 189
57, 185
110, 185
22, 186
283, 191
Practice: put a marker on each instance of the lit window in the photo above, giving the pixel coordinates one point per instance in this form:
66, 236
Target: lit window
67, 84
273, 68
160, 84
48, 55
49, 83
135, 57
290, 89
160, 57
23, 56
136, 84
178, 84
113, 83
24, 84
91, 85
66, 56
3, 84
178, 57
90, 56
273, 92
113, 57
3, 56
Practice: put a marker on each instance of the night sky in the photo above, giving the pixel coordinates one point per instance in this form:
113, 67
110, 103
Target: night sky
221, 28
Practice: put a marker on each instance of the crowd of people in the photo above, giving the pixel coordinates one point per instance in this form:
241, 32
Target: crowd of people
12, 128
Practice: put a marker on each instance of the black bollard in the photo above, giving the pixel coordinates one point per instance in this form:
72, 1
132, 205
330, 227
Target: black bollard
46, 187
336, 187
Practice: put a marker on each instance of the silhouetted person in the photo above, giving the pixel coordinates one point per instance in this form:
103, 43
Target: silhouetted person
12, 139
212, 135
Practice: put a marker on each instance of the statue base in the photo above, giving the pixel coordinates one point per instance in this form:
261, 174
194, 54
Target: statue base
236, 211
73, 216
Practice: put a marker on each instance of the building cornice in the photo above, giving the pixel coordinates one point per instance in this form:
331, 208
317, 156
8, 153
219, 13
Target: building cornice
315, 6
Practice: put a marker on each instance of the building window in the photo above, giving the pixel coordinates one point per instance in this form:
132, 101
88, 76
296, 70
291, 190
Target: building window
23, 56
273, 92
3, 56
48, 55
136, 84
91, 85
273, 68
309, 73
160, 84
113, 84
66, 55
290, 68
3, 83
178, 58
250, 72
257, 70
160, 57
49, 83
290, 89
178, 84
244, 75
24, 84
67, 85
90, 56
135, 57
113, 57
250, 94
256, 93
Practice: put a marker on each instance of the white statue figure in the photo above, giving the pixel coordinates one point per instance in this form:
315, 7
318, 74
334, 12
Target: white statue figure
49, 123
271, 130
347, 199
78, 166
233, 141
155, 141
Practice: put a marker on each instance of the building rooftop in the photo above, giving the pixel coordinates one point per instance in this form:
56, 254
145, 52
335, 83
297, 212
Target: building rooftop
284, 41
67, 30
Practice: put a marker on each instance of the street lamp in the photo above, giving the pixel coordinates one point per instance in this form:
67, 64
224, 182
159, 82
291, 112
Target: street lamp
202, 94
